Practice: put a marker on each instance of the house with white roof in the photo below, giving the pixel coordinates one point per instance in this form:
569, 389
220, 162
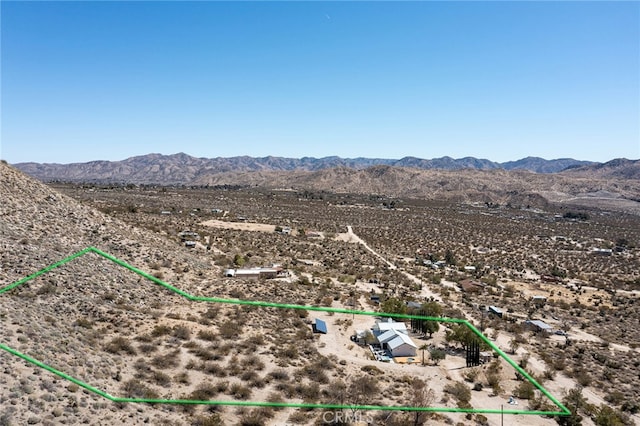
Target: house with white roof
394, 337
402, 345
388, 324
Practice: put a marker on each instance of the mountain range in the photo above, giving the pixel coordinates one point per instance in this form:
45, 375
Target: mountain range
184, 169
534, 182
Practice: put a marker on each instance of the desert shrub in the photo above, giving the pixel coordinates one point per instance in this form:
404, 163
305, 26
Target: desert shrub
120, 344
372, 369
583, 378
253, 362
525, 390
471, 375
211, 420
47, 288
549, 374
614, 398
298, 418
182, 378
256, 340
204, 392
248, 375
207, 335
215, 369
146, 348
160, 330
161, 378
181, 332
84, 323
211, 313
165, 361
559, 363
239, 391
279, 374
205, 354
252, 418
288, 352
482, 420
229, 329
460, 392
315, 373
309, 393
135, 389
276, 398
608, 416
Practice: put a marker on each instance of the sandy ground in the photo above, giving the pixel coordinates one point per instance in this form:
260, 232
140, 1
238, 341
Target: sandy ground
240, 226
338, 342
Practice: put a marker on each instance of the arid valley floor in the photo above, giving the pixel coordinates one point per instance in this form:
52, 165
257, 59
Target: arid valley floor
576, 270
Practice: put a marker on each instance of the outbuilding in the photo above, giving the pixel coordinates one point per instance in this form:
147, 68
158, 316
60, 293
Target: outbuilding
320, 326
496, 311
538, 326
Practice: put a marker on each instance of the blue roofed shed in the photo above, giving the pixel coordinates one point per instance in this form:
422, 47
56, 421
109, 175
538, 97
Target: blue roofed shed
320, 326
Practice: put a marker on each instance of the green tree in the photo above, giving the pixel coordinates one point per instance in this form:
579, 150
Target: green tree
449, 257
239, 260
393, 305
437, 355
574, 401
461, 334
429, 309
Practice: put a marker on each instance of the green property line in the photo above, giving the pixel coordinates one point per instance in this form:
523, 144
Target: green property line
564, 410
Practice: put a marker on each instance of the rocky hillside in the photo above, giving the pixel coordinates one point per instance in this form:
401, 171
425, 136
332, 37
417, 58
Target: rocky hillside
66, 317
620, 168
184, 169
518, 188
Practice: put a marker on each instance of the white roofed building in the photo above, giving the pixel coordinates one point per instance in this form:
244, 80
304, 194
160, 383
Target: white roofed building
388, 324
394, 337
402, 345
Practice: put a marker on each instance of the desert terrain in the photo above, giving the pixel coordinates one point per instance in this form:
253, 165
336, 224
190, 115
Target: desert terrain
573, 267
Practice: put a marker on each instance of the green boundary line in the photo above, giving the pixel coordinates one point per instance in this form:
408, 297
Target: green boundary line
564, 410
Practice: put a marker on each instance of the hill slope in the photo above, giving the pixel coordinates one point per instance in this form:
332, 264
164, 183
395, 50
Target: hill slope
66, 316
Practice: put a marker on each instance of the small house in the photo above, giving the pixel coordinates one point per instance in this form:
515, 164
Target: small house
538, 326
496, 311
385, 325
539, 300
401, 345
602, 252
255, 273
471, 286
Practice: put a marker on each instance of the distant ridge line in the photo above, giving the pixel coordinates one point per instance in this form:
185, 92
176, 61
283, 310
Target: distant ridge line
182, 168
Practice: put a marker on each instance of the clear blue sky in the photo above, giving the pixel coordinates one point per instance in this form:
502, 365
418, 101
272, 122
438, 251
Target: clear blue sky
84, 81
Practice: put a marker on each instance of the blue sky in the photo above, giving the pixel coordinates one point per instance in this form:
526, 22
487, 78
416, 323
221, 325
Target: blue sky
85, 81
